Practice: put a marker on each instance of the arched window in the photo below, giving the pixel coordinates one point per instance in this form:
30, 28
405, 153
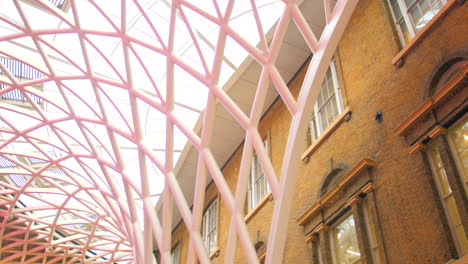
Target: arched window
330, 179
446, 73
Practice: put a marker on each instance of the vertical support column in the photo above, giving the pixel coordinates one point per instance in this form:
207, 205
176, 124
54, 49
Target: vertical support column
361, 232
374, 224
315, 243
325, 250
453, 177
297, 132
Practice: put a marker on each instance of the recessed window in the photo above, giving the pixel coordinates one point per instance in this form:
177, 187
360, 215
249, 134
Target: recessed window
458, 141
210, 227
412, 15
258, 184
175, 254
329, 104
345, 243
350, 232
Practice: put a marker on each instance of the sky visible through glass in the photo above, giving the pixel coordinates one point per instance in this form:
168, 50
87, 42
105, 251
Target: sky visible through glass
104, 96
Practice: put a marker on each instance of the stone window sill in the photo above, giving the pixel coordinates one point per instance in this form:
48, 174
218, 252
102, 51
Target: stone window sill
398, 60
333, 126
260, 205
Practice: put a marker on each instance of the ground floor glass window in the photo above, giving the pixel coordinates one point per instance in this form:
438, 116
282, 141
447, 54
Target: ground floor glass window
345, 242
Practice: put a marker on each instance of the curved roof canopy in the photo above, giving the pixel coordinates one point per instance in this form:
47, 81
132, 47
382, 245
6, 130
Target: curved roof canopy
99, 99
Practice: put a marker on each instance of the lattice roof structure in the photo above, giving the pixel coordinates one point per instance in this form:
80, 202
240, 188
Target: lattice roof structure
101, 100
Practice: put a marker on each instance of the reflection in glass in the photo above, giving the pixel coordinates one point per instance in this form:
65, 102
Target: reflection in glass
346, 243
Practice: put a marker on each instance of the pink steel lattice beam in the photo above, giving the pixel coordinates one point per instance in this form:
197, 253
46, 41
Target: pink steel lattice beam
94, 149
308, 94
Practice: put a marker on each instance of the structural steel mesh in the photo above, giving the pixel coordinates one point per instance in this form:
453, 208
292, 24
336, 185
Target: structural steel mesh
67, 194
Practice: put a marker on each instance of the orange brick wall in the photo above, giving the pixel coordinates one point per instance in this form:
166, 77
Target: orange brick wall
410, 217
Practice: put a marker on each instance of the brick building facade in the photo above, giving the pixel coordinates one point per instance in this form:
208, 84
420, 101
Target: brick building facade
373, 180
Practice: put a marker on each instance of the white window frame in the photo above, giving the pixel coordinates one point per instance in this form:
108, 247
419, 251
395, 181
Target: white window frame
175, 254
257, 177
210, 226
316, 123
407, 18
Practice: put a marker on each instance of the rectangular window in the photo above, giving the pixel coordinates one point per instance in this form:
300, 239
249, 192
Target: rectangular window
444, 188
258, 184
458, 139
329, 104
210, 227
345, 243
411, 16
175, 254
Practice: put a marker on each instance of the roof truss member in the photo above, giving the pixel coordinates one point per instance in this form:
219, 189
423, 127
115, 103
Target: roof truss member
98, 142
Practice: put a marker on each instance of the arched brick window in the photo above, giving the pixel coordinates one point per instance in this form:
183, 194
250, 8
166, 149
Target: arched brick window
446, 73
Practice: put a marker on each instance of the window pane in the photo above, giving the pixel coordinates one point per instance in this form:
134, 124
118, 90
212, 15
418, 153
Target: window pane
258, 186
457, 223
328, 113
175, 255
417, 17
424, 6
210, 227
437, 6
405, 31
412, 15
447, 198
327, 104
396, 10
423, 12
459, 136
409, 2
313, 128
345, 242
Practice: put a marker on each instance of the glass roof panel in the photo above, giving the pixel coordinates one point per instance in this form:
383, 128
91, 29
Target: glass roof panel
96, 127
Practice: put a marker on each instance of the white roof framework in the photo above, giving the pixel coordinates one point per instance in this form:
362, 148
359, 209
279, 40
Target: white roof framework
98, 100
